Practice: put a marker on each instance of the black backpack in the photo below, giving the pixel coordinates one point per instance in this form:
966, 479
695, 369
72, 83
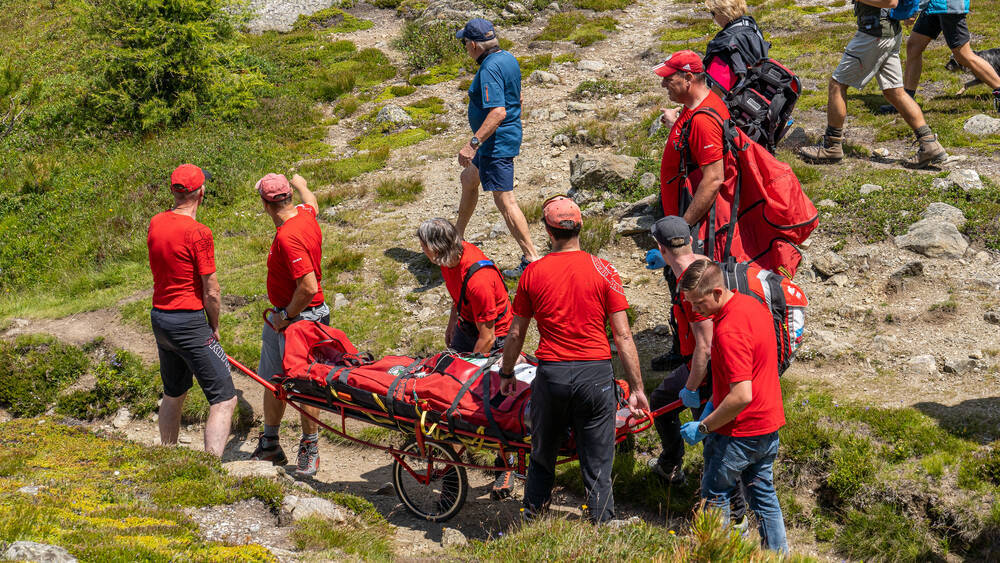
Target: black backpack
761, 104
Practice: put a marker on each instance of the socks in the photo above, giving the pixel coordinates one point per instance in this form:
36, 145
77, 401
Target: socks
912, 93
923, 132
271, 432
314, 437
837, 132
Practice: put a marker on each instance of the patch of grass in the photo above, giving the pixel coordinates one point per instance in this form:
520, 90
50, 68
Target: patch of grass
566, 58
602, 5
590, 132
316, 534
596, 233
532, 210
377, 140
339, 194
34, 369
602, 87
881, 533
342, 258
346, 106
337, 171
399, 190
121, 380
531, 63
425, 109
331, 19
685, 29
577, 27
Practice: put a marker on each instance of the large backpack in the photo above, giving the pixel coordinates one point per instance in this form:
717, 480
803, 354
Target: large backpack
770, 211
785, 300
761, 104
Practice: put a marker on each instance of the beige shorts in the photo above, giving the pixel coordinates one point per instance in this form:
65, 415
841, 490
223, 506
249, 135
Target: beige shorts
868, 57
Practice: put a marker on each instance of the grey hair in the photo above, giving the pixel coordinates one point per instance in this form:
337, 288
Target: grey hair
489, 44
441, 237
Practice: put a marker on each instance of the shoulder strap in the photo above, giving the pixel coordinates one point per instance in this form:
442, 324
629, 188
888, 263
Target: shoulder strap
468, 275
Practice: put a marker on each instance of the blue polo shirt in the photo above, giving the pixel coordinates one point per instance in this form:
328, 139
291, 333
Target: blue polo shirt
497, 84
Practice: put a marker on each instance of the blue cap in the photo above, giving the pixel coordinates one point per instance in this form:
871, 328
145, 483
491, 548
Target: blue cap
477, 29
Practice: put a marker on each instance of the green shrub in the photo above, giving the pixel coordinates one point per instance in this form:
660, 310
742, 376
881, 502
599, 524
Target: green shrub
333, 19
122, 380
532, 63
162, 62
342, 259
576, 27
15, 97
34, 369
399, 190
602, 5
429, 45
602, 87
372, 542
396, 140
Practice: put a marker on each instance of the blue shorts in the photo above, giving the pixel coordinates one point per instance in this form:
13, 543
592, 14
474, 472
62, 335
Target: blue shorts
495, 174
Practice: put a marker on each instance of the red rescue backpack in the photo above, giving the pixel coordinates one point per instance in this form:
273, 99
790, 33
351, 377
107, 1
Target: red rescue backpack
770, 211
785, 300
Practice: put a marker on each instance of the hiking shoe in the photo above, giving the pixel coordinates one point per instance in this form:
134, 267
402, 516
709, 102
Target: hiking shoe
673, 475
269, 449
743, 526
503, 486
929, 152
886, 109
667, 362
515, 273
996, 100
831, 150
308, 462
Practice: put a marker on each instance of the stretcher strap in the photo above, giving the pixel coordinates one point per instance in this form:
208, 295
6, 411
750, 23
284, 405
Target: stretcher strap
450, 413
488, 410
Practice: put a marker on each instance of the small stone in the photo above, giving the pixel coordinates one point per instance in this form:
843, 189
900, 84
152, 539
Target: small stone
393, 115
911, 269
654, 127
560, 140
580, 107
992, 317
543, 77
866, 189
34, 551
619, 523
959, 365
884, 342
122, 418
661, 330
924, 365
829, 263
827, 344
592, 66
634, 225
882, 152
517, 8
314, 506
966, 179
976, 354
31, 490
982, 124
499, 229
386, 489
340, 301
827, 203
450, 537
649, 181
984, 257
184, 440
839, 280
425, 314
557, 115
251, 468
944, 212
429, 299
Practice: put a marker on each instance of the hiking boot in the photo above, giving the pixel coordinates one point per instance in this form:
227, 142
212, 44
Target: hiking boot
308, 461
831, 150
673, 475
668, 361
743, 526
929, 152
515, 273
503, 486
268, 449
886, 109
996, 100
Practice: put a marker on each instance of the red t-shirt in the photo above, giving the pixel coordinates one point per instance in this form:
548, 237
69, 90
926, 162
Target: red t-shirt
743, 349
486, 296
686, 316
181, 250
706, 144
570, 295
297, 249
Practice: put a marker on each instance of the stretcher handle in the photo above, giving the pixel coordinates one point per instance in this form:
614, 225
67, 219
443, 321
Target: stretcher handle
267, 320
253, 375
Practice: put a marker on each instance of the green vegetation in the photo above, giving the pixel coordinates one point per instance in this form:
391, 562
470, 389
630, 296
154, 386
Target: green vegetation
331, 19
121, 381
531, 63
371, 543
342, 259
434, 49
34, 369
602, 87
683, 30
602, 5
399, 190
334, 171
577, 27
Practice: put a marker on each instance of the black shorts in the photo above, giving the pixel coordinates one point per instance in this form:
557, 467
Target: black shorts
464, 338
186, 347
956, 31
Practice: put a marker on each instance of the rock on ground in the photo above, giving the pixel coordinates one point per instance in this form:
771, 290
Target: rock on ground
303, 507
393, 115
33, 551
634, 225
944, 212
280, 15
866, 189
965, 179
452, 537
934, 238
596, 171
543, 77
251, 468
592, 66
456, 11
982, 124
922, 365
829, 263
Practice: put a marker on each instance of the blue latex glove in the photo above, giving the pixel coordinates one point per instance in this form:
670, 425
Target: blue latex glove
691, 399
654, 260
689, 431
709, 407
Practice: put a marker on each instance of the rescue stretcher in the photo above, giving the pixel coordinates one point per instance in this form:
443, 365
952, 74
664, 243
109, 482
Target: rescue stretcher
429, 471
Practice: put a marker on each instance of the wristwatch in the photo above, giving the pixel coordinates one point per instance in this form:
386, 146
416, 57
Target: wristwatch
283, 313
702, 428
474, 142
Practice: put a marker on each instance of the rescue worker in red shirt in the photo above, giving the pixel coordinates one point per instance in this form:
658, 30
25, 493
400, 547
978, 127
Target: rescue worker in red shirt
572, 295
481, 313
741, 432
702, 193
185, 314
293, 288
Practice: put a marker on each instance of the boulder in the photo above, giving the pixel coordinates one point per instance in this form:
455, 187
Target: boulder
654, 127
304, 507
827, 344
581, 197
456, 11
960, 365
944, 212
634, 225
596, 171
992, 317
982, 124
517, 8
122, 418
649, 181
450, 537
251, 468
592, 66
393, 115
560, 140
965, 179
866, 189
829, 263
924, 365
933, 238
34, 551
645, 206
557, 115
543, 77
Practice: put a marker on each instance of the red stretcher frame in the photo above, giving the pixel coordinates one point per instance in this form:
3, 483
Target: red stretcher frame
404, 458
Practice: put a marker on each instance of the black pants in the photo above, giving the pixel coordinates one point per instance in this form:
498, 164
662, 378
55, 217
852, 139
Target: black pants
578, 396
668, 426
464, 338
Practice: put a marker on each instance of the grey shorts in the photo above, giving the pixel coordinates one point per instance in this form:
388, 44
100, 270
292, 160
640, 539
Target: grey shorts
272, 345
868, 57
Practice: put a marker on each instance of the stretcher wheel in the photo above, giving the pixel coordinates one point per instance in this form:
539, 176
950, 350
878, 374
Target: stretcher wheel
443, 496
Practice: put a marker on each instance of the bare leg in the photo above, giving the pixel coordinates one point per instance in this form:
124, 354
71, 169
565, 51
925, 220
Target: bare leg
915, 45
273, 409
906, 106
310, 426
220, 418
169, 419
979, 68
836, 104
470, 197
516, 223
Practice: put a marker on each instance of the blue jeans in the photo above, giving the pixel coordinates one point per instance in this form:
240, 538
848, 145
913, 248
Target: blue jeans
727, 459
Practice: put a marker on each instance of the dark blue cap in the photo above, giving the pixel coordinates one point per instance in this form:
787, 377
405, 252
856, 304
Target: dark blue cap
477, 29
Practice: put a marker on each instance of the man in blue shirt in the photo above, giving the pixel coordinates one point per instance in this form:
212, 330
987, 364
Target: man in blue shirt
495, 119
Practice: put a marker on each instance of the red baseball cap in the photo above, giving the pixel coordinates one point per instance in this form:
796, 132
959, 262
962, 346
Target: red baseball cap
187, 178
274, 187
681, 61
559, 209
